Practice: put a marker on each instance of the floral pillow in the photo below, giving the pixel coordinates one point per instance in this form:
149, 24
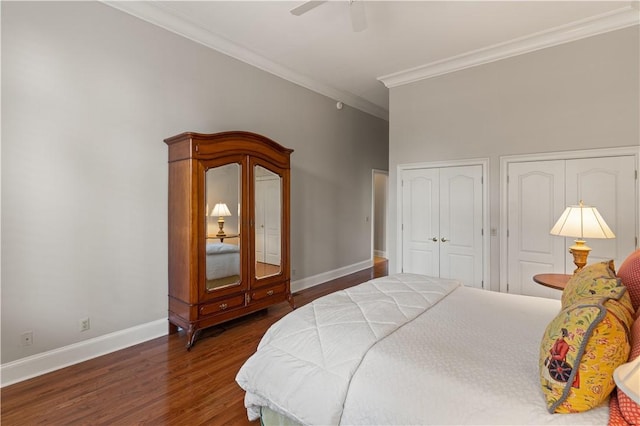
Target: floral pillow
580, 349
592, 280
597, 288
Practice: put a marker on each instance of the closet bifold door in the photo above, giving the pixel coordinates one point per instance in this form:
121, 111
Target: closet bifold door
538, 191
442, 222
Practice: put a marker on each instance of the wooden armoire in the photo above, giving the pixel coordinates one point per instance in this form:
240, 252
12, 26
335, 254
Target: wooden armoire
228, 228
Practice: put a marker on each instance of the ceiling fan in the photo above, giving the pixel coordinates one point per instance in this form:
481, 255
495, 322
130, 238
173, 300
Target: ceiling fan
356, 10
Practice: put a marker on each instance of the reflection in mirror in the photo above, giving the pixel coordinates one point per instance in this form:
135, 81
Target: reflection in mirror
268, 220
223, 226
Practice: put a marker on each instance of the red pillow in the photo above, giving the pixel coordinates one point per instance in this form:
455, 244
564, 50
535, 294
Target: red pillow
628, 408
615, 415
634, 339
629, 273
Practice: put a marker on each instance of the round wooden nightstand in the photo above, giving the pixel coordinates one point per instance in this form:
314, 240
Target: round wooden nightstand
557, 281
222, 237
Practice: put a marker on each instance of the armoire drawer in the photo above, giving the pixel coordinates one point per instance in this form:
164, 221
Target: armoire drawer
266, 292
223, 305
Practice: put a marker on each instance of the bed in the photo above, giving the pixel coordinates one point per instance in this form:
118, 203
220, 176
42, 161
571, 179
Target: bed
223, 264
406, 349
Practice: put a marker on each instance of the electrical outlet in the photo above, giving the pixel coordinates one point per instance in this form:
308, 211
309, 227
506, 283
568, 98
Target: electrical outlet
27, 338
85, 324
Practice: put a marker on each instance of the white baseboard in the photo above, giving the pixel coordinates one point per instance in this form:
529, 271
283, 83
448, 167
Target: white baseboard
380, 253
36, 365
39, 364
309, 282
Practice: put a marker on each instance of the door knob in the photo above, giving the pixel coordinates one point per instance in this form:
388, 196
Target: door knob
443, 239
434, 239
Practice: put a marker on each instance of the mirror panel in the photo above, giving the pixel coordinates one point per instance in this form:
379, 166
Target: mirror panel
222, 254
268, 222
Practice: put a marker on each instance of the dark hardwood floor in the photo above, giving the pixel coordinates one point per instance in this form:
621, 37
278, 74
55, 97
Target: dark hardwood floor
159, 382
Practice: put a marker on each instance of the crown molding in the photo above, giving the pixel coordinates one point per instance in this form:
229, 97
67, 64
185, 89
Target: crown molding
157, 14
611, 21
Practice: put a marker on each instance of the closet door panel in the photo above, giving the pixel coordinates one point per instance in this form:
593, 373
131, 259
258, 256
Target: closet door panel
420, 222
609, 184
461, 224
535, 201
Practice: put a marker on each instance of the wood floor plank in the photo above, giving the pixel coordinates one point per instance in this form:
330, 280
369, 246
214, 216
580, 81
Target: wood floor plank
159, 382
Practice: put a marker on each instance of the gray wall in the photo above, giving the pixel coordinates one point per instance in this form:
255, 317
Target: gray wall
579, 95
88, 95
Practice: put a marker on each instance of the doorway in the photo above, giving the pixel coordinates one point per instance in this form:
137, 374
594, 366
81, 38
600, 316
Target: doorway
379, 208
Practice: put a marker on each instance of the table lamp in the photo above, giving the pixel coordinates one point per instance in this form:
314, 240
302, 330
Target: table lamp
221, 210
581, 222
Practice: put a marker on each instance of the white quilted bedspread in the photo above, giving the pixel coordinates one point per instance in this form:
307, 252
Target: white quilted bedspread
407, 350
305, 362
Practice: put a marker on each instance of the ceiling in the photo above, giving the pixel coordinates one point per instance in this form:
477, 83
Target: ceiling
404, 40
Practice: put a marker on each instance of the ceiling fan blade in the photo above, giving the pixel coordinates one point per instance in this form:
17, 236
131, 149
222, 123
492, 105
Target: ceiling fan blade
358, 16
306, 6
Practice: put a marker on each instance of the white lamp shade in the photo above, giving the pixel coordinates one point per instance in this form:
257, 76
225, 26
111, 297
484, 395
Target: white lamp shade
582, 222
220, 209
627, 378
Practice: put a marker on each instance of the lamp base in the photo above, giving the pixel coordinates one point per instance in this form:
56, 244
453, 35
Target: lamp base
580, 251
221, 225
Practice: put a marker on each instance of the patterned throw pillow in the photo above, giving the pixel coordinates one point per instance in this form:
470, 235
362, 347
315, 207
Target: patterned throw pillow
601, 287
630, 274
628, 408
592, 280
580, 349
615, 415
